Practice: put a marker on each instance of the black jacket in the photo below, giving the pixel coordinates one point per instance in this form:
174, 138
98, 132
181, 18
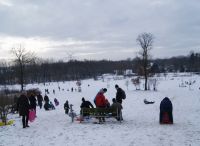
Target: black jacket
23, 105
39, 98
32, 101
66, 105
119, 95
46, 98
86, 104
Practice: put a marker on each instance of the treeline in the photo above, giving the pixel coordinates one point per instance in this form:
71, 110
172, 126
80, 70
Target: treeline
190, 63
46, 71
62, 71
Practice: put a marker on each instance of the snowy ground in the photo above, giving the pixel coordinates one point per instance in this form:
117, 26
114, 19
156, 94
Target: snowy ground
139, 128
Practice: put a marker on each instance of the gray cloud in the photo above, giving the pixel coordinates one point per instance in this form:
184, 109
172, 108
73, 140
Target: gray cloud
115, 25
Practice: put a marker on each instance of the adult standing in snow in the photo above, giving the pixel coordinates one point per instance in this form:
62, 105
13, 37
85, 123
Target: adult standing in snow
33, 100
166, 109
39, 99
66, 107
100, 101
120, 94
118, 107
24, 108
102, 91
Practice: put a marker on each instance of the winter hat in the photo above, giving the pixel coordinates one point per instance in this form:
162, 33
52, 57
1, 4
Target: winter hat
114, 100
116, 86
104, 90
83, 99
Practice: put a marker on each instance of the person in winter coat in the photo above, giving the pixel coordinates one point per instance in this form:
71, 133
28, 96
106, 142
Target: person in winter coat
86, 104
47, 106
66, 107
100, 101
119, 108
166, 109
46, 98
120, 94
52, 106
107, 103
39, 99
32, 100
56, 102
24, 107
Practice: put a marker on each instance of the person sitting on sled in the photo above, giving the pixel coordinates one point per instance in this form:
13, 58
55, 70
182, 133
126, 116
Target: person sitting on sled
166, 108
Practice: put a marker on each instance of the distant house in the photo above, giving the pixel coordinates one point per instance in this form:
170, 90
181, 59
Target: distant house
129, 73
107, 76
118, 77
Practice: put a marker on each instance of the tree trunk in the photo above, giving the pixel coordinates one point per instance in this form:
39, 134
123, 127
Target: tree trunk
21, 77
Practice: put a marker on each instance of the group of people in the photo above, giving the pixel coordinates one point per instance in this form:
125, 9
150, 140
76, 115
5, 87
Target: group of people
26, 102
101, 101
29, 100
48, 105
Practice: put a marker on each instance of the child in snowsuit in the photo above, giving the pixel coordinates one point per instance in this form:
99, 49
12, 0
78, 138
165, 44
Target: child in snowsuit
52, 106
56, 102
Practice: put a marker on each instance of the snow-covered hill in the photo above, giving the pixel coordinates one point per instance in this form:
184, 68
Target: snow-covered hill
140, 126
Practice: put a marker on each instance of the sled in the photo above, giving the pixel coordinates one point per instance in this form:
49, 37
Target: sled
8, 123
165, 119
32, 115
148, 102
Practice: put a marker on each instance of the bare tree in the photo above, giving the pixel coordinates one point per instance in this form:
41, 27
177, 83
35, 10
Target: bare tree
145, 40
22, 58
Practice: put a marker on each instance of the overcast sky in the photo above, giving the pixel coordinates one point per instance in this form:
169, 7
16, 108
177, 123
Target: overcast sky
99, 29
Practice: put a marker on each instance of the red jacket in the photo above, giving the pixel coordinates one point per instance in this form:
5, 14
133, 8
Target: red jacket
100, 100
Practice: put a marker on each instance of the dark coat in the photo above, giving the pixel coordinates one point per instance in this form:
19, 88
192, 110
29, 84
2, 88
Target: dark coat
87, 104
117, 105
39, 98
66, 105
119, 95
46, 98
23, 105
32, 101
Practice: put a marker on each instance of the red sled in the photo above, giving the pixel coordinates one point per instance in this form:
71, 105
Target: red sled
165, 119
32, 115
